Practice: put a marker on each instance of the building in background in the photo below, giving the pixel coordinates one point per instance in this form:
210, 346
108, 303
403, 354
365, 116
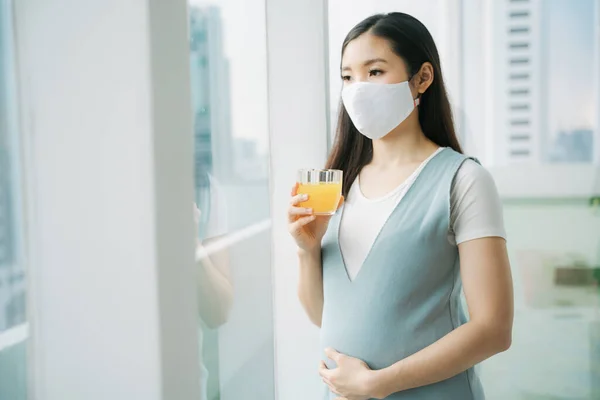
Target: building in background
8, 295
210, 94
12, 275
6, 230
541, 66
572, 146
250, 165
217, 150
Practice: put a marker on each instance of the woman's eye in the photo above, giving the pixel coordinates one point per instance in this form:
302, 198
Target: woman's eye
345, 77
375, 72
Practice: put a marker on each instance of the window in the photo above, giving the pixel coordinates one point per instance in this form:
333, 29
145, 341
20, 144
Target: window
523, 78
229, 95
538, 80
13, 330
531, 91
11, 275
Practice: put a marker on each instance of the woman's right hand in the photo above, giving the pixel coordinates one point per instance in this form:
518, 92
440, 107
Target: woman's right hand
306, 228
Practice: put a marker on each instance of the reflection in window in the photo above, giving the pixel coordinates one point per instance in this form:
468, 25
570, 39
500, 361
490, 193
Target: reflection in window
12, 277
211, 204
13, 332
232, 198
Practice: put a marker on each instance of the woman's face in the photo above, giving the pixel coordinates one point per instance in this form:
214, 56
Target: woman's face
369, 58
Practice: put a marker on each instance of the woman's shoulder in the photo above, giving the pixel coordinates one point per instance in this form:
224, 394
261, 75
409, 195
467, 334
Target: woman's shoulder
475, 204
471, 172
473, 184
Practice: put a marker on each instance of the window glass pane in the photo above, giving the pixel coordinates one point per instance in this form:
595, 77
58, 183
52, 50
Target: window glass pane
13, 331
535, 74
569, 47
532, 68
229, 93
529, 82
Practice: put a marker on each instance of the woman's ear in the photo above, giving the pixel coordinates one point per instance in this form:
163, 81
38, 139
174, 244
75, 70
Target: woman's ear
424, 78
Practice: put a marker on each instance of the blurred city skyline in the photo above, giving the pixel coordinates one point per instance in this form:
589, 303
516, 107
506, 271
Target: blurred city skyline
247, 73
569, 62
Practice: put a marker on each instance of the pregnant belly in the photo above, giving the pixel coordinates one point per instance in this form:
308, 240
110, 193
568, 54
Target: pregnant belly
381, 339
379, 347
385, 343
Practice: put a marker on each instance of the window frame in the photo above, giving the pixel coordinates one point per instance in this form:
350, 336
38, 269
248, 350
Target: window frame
159, 360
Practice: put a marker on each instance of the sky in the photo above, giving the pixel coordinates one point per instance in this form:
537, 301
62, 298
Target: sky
569, 42
245, 46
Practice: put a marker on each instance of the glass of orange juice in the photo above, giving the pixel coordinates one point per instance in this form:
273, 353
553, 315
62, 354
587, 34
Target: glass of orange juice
323, 187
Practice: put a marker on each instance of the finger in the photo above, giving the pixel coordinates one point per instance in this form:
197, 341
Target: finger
295, 189
331, 387
333, 355
341, 202
298, 198
322, 367
300, 222
295, 212
325, 373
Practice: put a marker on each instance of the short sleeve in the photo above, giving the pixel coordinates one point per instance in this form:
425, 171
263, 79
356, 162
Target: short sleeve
475, 205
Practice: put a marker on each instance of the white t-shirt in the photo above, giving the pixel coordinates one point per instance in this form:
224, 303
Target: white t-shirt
475, 212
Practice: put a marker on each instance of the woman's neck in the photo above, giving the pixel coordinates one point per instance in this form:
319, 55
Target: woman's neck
406, 144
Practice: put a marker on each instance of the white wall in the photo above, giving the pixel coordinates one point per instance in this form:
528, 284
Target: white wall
107, 122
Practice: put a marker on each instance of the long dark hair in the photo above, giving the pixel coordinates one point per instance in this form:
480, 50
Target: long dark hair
412, 42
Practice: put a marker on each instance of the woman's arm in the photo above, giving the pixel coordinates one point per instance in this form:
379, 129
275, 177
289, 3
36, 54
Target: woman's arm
215, 287
310, 285
487, 281
215, 290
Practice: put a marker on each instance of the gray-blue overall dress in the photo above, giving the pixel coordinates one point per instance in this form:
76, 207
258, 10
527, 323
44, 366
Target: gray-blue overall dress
406, 295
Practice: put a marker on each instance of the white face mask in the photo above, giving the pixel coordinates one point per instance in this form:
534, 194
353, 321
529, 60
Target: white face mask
377, 108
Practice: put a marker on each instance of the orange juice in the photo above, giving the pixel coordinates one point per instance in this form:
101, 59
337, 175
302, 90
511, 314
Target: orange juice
323, 197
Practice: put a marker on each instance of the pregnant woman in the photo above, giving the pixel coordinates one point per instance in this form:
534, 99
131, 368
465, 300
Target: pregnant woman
421, 223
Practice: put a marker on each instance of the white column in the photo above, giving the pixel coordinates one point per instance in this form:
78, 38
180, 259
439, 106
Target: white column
108, 154
449, 43
298, 126
474, 80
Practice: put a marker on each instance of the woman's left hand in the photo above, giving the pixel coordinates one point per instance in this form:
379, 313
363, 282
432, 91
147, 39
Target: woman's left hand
352, 379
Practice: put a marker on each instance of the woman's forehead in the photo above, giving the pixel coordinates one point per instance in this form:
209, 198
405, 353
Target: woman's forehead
367, 47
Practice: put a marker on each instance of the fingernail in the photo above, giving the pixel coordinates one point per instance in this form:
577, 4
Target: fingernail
309, 210
304, 197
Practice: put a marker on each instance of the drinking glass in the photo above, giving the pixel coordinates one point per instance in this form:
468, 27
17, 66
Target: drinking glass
323, 187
